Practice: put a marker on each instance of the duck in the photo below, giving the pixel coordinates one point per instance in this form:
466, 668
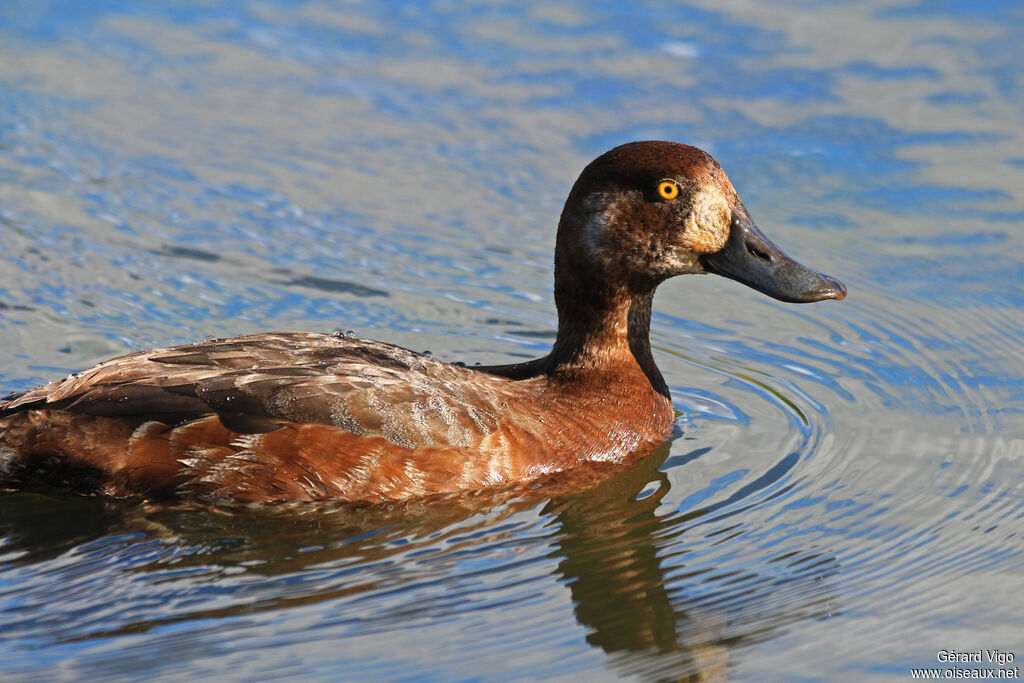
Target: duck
302, 416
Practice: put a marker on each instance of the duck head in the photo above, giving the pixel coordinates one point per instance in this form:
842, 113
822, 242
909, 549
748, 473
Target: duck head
647, 211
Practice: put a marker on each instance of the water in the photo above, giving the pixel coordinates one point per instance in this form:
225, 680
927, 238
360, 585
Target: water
843, 498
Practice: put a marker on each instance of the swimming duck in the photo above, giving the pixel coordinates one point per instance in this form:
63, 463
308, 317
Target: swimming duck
301, 416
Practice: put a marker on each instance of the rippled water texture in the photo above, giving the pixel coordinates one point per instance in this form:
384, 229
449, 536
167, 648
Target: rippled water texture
844, 495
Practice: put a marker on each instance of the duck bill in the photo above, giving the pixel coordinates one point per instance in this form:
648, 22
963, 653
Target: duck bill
751, 258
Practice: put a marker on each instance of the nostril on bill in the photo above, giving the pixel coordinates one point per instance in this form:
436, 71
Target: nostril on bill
757, 253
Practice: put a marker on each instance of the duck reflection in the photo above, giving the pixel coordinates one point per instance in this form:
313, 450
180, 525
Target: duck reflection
649, 620
622, 559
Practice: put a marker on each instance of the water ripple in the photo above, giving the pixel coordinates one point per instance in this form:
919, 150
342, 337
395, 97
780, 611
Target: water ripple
845, 472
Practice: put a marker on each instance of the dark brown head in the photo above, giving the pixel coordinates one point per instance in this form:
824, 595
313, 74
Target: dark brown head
647, 211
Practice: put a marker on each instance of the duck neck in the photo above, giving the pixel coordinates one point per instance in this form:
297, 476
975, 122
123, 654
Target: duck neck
604, 328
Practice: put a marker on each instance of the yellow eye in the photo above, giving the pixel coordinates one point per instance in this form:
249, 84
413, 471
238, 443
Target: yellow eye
668, 189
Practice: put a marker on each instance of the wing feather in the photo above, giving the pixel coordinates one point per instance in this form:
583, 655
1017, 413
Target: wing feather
255, 383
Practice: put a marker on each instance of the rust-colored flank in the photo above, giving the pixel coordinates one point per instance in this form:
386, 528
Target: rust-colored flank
300, 416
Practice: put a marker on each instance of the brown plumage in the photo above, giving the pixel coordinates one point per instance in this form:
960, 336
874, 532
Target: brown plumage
302, 416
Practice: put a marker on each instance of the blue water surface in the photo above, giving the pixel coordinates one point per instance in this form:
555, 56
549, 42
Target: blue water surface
842, 498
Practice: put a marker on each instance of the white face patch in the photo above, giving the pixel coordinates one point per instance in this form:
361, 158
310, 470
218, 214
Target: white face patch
707, 226
599, 211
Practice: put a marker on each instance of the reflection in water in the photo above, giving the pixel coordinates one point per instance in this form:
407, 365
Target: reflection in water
36, 527
608, 539
611, 546
609, 560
